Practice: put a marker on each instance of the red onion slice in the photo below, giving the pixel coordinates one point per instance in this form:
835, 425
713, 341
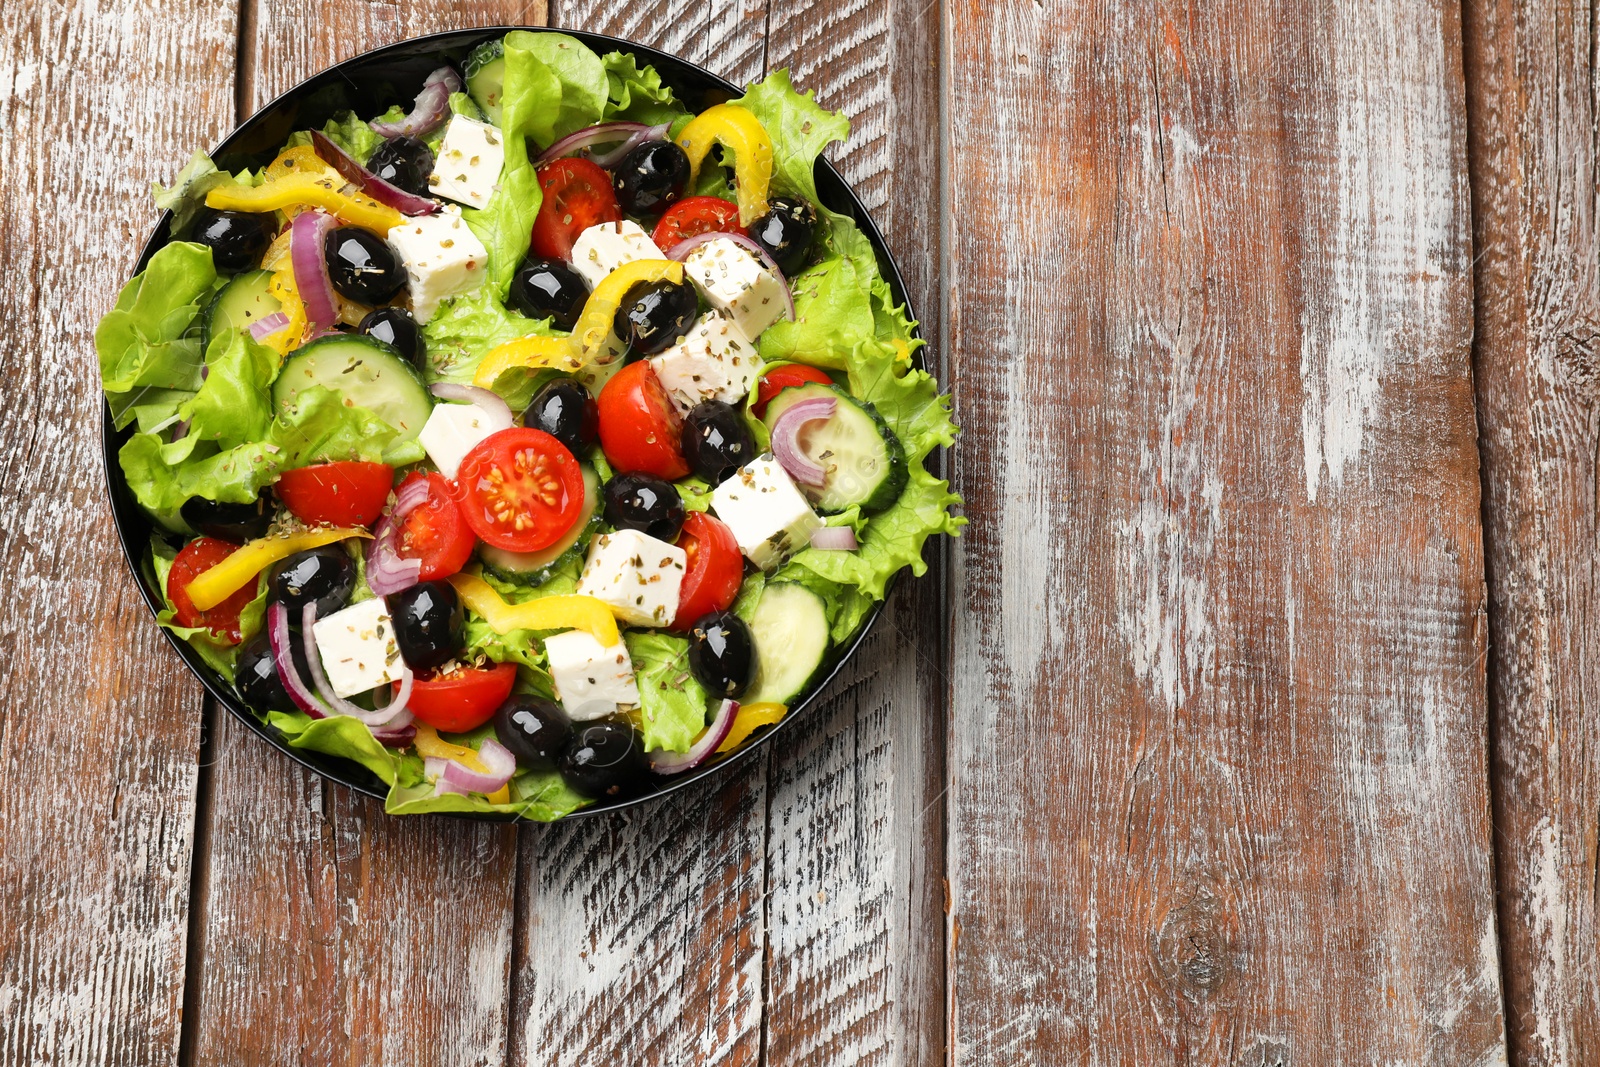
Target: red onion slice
604, 133
463, 779
396, 738
278, 635
388, 715
306, 243
486, 399
716, 733
261, 329
388, 572
680, 251
613, 157
362, 178
786, 439
834, 539
431, 107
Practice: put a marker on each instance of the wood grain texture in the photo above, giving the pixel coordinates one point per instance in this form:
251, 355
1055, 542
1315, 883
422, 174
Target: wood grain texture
334, 933
1217, 754
1531, 82
99, 720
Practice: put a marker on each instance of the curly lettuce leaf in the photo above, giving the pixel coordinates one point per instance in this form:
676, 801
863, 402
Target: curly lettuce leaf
636, 94
463, 332
148, 353
672, 702
833, 316
349, 132
187, 193
521, 646
339, 735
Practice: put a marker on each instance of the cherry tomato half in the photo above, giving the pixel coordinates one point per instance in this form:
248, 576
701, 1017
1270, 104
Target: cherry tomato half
577, 195
778, 379
197, 557
716, 567
520, 489
639, 427
344, 494
435, 531
692, 217
462, 700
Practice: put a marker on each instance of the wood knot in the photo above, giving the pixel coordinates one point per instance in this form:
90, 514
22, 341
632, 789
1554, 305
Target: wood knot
1194, 949
1577, 357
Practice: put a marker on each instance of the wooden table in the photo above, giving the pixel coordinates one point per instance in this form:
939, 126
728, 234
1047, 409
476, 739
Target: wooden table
1255, 720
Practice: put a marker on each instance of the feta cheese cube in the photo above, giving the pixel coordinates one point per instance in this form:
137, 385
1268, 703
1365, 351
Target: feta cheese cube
453, 430
591, 680
637, 575
715, 361
442, 259
601, 249
768, 516
357, 648
737, 283
467, 166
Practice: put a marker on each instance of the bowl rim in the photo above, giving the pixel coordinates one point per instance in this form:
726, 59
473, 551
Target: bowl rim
134, 529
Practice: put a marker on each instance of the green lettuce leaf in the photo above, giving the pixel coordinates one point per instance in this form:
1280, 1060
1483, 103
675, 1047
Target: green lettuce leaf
833, 316
800, 129
584, 85
464, 331
349, 132
672, 702
187, 193
339, 735
149, 355
636, 94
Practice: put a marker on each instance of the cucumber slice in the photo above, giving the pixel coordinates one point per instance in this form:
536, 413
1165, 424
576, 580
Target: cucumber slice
486, 77
790, 627
535, 568
865, 461
366, 372
242, 301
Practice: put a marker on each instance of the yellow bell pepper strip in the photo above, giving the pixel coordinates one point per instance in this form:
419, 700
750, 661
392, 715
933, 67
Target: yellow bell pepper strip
532, 353
594, 324
302, 159
298, 189
741, 133
429, 743
546, 613
214, 586
282, 287
750, 717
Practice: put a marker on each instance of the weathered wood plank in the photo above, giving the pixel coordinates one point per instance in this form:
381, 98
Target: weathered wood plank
1217, 766
1531, 79
99, 721
332, 932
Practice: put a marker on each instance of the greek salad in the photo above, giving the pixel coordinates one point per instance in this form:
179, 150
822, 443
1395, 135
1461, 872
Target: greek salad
531, 442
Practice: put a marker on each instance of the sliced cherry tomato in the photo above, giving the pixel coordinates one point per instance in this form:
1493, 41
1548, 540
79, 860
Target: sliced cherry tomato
435, 532
197, 557
778, 379
344, 494
692, 217
577, 195
462, 700
639, 427
715, 569
520, 489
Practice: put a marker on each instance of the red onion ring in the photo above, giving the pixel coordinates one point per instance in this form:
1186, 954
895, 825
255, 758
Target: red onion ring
601, 134
431, 107
388, 572
715, 734
278, 635
306, 243
486, 399
463, 779
610, 159
362, 178
394, 738
681, 250
261, 329
834, 539
786, 439
389, 715
180, 430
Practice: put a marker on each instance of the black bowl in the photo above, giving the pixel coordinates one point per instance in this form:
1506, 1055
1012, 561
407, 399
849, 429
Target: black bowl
367, 85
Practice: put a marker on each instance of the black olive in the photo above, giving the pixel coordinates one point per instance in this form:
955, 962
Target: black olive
325, 576
428, 624
646, 503
536, 731
405, 163
722, 654
362, 267
603, 759
716, 441
549, 289
229, 522
651, 177
256, 676
237, 239
654, 315
785, 232
565, 410
395, 326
